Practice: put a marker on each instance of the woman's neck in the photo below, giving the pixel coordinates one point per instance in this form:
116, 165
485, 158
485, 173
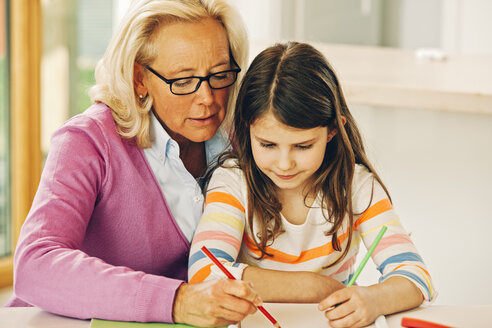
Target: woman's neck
191, 153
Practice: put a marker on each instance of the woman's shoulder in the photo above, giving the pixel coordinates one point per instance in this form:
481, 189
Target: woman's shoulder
95, 123
97, 115
95, 127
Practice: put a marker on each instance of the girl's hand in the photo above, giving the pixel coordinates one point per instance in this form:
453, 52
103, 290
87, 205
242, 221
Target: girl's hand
214, 303
357, 307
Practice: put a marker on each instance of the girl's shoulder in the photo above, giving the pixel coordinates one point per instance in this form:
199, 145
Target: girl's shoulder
364, 188
361, 176
230, 167
229, 177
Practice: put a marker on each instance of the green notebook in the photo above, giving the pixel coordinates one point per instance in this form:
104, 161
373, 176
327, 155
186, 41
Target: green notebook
98, 323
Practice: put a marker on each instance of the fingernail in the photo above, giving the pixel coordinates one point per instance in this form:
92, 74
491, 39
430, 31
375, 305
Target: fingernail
258, 301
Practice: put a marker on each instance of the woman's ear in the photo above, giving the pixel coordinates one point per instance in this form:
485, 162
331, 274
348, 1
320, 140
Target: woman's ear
138, 80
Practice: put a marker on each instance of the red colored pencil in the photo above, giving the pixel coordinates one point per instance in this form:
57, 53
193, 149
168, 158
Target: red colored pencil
230, 276
419, 323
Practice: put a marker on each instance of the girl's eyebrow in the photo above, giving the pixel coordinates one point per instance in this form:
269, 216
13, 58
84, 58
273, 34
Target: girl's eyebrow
296, 143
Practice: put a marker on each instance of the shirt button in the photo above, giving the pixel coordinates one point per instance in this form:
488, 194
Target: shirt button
197, 199
161, 158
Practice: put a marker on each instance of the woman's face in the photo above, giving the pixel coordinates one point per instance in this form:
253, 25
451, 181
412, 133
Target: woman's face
190, 49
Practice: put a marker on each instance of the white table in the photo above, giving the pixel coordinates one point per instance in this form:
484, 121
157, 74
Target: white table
288, 315
307, 315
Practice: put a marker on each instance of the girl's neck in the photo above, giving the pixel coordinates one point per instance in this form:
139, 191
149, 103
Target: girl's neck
295, 205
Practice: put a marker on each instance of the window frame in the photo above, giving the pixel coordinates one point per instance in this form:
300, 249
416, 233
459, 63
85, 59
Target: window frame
25, 116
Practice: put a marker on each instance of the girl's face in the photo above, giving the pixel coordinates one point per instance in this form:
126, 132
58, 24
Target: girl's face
287, 155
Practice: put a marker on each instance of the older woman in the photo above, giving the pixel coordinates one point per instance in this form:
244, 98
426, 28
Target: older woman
109, 231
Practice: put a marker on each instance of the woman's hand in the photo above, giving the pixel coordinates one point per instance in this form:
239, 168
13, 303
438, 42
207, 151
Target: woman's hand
357, 307
215, 302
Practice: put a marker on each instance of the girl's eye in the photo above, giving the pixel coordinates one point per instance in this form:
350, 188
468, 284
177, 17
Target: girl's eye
267, 145
303, 147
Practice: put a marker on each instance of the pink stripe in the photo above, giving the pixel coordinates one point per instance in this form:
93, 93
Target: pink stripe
345, 266
217, 235
392, 240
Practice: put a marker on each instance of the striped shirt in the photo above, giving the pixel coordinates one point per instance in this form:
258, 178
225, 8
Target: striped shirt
224, 229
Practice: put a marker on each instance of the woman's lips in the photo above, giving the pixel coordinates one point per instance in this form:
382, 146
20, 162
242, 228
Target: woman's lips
203, 120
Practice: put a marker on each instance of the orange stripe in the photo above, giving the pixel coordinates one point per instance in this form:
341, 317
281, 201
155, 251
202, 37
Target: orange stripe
411, 264
307, 255
201, 274
222, 197
378, 208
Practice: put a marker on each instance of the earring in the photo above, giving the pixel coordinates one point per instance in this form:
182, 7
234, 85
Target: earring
140, 96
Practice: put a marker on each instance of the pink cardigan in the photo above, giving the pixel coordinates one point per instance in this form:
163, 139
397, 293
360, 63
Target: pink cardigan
99, 240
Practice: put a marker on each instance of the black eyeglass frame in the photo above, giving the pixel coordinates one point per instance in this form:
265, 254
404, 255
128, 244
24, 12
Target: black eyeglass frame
201, 78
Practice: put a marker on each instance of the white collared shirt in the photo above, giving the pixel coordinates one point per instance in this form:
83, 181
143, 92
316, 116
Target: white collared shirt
181, 191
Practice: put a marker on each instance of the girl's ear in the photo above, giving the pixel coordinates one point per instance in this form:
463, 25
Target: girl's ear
334, 131
138, 80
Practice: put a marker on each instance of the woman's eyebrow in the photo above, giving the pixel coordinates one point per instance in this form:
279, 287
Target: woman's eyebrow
180, 70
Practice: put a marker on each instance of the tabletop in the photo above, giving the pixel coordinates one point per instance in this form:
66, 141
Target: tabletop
288, 315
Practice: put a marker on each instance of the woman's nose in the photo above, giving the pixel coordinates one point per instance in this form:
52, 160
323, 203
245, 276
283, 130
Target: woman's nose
205, 93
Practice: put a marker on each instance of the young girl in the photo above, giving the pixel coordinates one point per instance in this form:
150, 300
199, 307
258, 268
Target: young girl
289, 208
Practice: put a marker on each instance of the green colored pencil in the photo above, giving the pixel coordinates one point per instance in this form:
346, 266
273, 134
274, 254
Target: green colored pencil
369, 253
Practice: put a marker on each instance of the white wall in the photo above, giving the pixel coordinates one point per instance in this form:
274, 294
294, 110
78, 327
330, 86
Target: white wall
438, 169
262, 18
467, 26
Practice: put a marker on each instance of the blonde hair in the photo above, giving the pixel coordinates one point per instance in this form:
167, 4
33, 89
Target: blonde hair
134, 42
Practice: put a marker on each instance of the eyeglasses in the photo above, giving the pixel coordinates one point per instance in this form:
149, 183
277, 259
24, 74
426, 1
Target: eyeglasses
188, 85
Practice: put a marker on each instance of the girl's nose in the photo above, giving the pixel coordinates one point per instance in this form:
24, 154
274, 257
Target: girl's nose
285, 161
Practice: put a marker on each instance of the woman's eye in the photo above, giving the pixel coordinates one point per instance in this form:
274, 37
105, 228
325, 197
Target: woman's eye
267, 145
182, 83
303, 147
220, 76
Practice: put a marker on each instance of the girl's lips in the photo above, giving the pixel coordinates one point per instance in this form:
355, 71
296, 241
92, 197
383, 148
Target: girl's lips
286, 177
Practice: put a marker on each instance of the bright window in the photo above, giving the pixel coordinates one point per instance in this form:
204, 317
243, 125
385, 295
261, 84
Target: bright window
5, 222
75, 36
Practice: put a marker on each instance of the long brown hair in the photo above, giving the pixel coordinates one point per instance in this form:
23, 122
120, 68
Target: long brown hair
297, 84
